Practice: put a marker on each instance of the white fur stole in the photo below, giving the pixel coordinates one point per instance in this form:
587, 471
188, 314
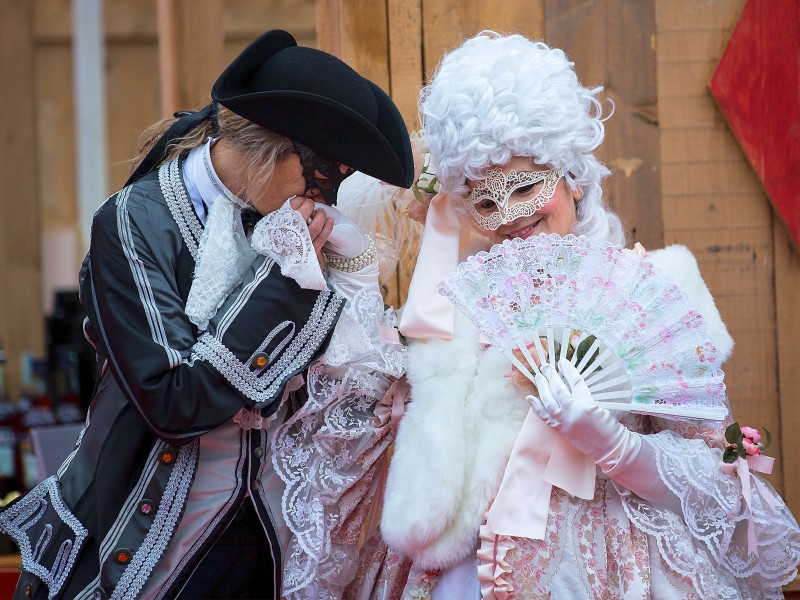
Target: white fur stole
457, 433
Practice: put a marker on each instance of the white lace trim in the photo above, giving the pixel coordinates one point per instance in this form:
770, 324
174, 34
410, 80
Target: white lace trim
24, 514
356, 338
326, 452
709, 545
283, 236
262, 387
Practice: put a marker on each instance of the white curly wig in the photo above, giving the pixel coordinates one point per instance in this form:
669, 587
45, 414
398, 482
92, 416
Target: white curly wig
496, 97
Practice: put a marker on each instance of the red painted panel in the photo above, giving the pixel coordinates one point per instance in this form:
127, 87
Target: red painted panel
8, 582
757, 87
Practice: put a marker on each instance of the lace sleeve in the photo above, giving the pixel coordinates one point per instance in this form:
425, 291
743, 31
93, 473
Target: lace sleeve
328, 452
711, 537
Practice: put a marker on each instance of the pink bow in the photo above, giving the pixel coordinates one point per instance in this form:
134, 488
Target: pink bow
761, 464
539, 460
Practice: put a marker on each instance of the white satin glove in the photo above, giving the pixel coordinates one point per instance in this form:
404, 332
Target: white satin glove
345, 240
348, 284
283, 236
567, 406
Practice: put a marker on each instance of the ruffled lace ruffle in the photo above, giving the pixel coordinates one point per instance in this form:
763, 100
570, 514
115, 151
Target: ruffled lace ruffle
224, 256
713, 530
283, 236
328, 452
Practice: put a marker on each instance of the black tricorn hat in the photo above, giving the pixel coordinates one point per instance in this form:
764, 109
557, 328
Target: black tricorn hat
317, 100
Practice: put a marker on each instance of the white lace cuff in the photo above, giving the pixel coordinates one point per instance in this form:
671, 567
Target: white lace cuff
283, 236
709, 545
327, 452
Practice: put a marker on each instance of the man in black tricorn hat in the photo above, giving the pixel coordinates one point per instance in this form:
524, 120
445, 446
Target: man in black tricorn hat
213, 287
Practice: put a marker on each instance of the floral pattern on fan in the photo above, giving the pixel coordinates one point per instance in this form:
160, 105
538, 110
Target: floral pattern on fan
546, 295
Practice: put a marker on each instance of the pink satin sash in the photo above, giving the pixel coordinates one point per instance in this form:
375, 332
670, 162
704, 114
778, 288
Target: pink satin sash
540, 459
571, 470
761, 464
428, 314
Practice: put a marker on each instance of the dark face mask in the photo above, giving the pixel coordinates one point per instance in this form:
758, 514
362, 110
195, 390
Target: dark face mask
312, 164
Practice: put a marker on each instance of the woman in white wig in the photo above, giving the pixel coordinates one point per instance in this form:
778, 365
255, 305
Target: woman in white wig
511, 134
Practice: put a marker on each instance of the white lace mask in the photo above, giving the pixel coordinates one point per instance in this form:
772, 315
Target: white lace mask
489, 201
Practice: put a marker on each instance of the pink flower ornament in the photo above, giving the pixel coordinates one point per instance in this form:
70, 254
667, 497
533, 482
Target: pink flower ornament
752, 434
750, 448
744, 442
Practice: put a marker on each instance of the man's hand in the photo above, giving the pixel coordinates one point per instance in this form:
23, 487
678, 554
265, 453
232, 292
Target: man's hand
319, 224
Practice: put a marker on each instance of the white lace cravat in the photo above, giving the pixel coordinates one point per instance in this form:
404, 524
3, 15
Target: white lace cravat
224, 256
225, 253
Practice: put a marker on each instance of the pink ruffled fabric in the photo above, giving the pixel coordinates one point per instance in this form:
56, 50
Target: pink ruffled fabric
493, 567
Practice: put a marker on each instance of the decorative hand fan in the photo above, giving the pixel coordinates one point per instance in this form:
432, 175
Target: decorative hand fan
631, 333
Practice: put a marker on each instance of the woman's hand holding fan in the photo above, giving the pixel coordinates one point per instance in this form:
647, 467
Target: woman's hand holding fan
630, 333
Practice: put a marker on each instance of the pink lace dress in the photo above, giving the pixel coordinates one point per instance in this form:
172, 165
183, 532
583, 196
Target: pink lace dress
614, 546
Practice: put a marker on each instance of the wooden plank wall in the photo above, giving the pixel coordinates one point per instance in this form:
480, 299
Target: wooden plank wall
37, 178
21, 323
679, 176
714, 203
612, 43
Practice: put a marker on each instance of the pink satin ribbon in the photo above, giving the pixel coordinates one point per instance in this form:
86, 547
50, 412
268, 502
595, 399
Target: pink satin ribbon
398, 392
540, 459
571, 470
493, 568
761, 464
390, 335
428, 314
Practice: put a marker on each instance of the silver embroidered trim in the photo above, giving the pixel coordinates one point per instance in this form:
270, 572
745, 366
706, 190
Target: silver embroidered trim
62, 557
16, 520
275, 331
158, 332
261, 388
180, 205
212, 526
43, 542
127, 511
164, 523
129, 508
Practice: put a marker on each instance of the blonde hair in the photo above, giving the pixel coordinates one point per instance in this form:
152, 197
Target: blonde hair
260, 148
